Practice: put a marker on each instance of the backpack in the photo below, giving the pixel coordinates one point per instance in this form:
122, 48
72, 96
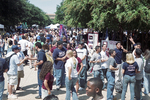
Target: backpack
7, 59
118, 86
49, 58
147, 66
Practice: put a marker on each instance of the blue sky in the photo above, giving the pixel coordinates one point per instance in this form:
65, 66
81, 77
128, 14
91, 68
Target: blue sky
48, 6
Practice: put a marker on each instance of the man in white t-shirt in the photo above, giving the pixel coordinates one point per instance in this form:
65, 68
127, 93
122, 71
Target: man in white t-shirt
82, 54
24, 45
12, 72
20, 68
104, 59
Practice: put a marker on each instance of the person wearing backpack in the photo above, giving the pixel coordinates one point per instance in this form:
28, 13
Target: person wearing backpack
129, 70
12, 72
146, 56
3, 68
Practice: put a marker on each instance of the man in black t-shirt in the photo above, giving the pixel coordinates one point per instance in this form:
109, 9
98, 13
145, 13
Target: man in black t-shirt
41, 58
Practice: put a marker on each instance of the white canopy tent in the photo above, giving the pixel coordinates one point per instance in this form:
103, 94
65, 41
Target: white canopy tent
52, 26
35, 25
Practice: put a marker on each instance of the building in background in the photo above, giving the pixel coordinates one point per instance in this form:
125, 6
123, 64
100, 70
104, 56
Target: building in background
51, 16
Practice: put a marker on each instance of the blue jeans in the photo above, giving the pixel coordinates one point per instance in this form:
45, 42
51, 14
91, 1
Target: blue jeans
99, 74
110, 84
70, 87
60, 76
83, 77
1, 89
138, 90
128, 80
39, 82
147, 83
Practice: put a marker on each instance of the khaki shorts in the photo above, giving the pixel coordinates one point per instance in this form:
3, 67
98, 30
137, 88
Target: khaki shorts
12, 79
21, 74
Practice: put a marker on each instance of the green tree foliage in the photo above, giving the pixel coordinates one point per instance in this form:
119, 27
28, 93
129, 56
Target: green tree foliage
59, 18
115, 14
13, 12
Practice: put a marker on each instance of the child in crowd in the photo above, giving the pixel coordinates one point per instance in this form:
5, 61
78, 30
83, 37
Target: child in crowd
94, 88
47, 77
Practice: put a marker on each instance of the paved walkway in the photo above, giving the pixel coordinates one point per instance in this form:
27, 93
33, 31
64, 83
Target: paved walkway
29, 84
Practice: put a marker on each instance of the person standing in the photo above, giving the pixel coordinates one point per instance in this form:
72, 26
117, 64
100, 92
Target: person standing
129, 70
59, 57
104, 59
71, 75
96, 59
24, 45
146, 57
82, 54
3, 68
1, 46
20, 68
47, 77
119, 50
41, 58
111, 74
12, 72
139, 75
94, 89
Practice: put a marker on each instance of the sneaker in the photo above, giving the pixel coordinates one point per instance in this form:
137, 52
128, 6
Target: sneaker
57, 87
38, 97
80, 88
12, 96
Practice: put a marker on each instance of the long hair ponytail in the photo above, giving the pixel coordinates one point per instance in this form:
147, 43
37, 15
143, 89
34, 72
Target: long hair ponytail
70, 53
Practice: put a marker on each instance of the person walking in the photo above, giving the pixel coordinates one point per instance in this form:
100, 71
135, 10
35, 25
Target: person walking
71, 75
129, 70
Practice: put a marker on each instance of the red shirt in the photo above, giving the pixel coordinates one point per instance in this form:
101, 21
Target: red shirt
79, 61
53, 48
50, 79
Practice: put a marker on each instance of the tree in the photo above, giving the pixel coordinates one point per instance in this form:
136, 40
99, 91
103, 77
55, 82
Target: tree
114, 14
13, 12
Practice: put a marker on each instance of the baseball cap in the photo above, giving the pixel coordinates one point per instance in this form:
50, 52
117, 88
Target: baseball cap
59, 42
19, 48
14, 47
48, 38
38, 37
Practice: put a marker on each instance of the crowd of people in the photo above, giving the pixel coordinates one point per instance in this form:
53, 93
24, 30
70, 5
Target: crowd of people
61, 58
